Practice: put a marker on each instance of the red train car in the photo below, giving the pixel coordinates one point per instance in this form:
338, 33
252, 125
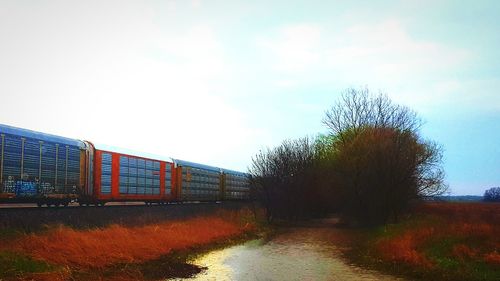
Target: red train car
119, 177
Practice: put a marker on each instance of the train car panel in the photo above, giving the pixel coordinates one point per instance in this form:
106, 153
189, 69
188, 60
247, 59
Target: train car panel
2, 145
168, 179
83, 173
140, 176
97, 178
106, 168
123, 177
199, 182
88, 189
236, 185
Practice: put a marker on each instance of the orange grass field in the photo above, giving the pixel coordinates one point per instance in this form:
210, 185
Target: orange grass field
458, 241
102, 247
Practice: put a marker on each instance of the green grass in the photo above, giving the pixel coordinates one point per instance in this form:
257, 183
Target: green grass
452, 268
8, 233
13, 265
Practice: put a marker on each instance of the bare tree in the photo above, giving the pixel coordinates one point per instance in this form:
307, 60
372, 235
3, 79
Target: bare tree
380, 161
358, 109
284, 179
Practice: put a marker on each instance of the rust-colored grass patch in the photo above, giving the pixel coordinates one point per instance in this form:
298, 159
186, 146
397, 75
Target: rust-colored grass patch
405, 248
98, 248
492, 258
464, 252
461, 240
462, 212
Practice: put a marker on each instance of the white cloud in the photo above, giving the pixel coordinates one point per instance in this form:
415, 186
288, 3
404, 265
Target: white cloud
387, 50
295, 47
381, 56
469, 95
196, 4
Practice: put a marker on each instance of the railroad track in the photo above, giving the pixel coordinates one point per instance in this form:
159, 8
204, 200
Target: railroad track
21, 206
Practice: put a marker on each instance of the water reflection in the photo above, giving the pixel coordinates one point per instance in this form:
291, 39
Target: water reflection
300, 254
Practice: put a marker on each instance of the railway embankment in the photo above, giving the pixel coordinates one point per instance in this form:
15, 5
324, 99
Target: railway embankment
35, 219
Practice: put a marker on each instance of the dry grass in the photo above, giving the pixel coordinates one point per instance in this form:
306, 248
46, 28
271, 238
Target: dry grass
404, 248
463, 212
459, 239
102, 247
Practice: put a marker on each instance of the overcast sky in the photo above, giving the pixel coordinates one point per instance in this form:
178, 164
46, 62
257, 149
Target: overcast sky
215, 81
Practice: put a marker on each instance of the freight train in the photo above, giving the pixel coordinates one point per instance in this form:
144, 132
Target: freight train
52, 170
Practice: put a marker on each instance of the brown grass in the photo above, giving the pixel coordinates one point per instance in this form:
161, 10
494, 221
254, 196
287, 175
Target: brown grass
463, 212
445, 236
404, 248
99, 248
492, 258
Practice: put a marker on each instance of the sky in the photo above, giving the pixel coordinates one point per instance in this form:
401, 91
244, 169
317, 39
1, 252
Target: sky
216, 81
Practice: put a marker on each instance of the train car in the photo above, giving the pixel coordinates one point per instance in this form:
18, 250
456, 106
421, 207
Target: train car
120, 176
236, 185
40, 168
198, 182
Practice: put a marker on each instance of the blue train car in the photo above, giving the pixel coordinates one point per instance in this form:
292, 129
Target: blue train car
40, 168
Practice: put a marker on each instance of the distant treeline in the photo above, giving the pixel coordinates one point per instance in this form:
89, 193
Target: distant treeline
369, 167
458, 198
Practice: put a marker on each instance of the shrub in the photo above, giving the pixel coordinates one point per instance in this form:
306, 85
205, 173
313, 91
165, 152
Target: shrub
284, 180
492, 195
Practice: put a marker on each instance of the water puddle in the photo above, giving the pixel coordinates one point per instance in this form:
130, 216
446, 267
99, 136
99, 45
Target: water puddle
299, 254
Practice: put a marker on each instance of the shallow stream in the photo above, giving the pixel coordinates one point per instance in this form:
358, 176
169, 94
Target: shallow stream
301, 253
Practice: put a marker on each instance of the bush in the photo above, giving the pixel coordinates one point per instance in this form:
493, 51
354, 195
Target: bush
492, 195
284, 180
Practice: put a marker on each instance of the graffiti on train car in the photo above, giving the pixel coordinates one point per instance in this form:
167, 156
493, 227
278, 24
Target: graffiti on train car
26, 187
